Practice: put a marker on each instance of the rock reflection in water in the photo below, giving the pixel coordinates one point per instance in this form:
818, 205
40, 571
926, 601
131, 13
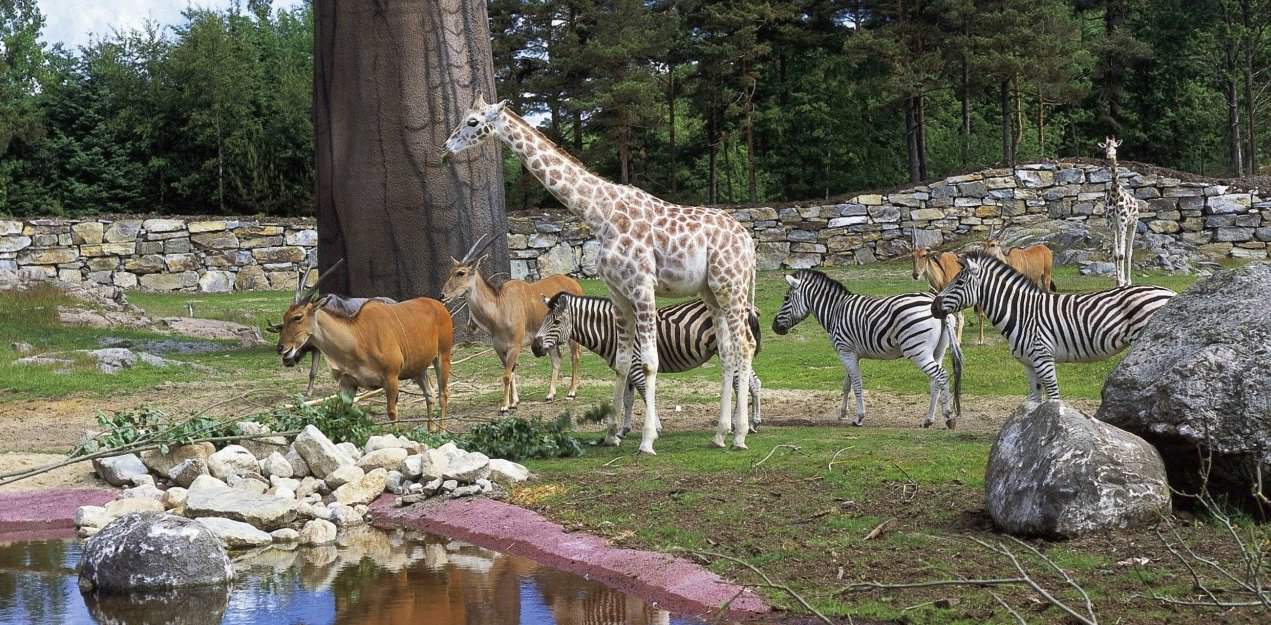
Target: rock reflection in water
369, 578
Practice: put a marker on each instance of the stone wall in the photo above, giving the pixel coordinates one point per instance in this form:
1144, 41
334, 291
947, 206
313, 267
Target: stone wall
212, 255
226, 254
1219, 221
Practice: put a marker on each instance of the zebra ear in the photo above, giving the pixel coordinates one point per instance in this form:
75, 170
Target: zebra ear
793, 281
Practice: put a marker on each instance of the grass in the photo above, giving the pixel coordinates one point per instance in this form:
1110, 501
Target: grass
802, 360
806, 525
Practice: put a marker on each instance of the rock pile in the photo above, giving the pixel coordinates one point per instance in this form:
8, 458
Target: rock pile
268, 490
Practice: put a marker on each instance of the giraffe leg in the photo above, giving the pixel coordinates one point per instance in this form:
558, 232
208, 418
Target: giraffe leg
744, 354
1129, 250
724, 346
646, 321
624, 325
628, 408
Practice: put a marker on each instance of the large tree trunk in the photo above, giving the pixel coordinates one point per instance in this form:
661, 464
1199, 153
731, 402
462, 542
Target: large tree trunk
1253, 35
1233, 123
911, 139
1008, 140
671, 131
390, 82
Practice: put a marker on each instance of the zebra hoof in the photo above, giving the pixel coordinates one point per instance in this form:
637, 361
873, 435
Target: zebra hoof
718, 442
926, 424
571, 396
950, 423
612, 441
626, 431
859, 421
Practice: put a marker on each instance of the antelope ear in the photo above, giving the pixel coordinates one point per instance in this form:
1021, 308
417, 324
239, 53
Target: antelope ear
792, 281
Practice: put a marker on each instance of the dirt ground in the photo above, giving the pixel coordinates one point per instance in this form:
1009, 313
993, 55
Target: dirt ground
38, 431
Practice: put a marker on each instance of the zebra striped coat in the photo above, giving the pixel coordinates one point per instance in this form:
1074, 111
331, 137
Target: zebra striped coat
876, 328
1044, 328
686, 340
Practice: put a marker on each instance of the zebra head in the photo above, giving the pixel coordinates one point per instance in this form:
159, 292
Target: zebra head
557, 326
795, 306
963, 292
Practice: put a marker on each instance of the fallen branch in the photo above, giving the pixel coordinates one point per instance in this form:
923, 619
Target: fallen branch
356, 398
767, 581
792, 448
830, 466
878, 530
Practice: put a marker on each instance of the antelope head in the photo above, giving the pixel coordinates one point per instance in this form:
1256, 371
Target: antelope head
919, 254
297, 322
993, 243
464, 272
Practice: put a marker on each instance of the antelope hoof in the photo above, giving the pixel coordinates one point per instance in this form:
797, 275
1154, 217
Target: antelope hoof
739, 444
926, 424
647, 448
503, 412
571, 396
550, 398
718, 441
859, 421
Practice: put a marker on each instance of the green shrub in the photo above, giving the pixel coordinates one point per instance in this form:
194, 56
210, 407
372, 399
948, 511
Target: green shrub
149, 425
340, 419
514, 438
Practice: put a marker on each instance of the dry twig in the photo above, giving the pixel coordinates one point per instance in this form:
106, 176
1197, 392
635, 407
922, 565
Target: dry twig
830, 466
767, 581
792, 448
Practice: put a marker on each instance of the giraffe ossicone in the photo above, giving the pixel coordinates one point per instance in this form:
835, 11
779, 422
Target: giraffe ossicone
648, 247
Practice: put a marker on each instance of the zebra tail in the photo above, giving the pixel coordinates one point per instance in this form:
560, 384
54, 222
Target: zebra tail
753, 319
1053, 288
957, 366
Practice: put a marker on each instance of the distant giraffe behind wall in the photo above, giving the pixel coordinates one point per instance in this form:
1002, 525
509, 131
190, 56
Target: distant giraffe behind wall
1122, 212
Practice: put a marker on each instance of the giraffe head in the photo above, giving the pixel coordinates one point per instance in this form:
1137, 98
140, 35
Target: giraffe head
481, 121
1110, 145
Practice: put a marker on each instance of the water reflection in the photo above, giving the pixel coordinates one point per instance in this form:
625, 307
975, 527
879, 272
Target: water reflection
370, 578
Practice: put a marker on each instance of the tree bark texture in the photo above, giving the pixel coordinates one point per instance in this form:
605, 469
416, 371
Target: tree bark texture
1008, 140
391, 80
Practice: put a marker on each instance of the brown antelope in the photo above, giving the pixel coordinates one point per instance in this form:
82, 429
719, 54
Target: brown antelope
940, 268
372, 343
1036, 261
511, 313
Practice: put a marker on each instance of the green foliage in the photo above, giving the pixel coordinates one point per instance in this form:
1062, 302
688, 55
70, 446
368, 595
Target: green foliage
598, 413
340, 419
146, 425
514, 438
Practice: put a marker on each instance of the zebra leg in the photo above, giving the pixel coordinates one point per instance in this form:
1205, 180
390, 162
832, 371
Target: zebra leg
575, 350
725, 348
756, 416
1034, 391
624, 325
847, 385
629, 407
1048, 379
554, 355
937, 387
853, 366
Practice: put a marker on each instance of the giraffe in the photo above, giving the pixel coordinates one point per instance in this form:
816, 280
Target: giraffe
1122, 211
648, 247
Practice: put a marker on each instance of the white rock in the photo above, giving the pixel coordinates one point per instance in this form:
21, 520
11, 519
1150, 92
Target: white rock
299, 468
231, 460
260, 447
468, 467
248, 484
174, 497
434, 486
187, 471
120, 507
350, 450
285, 535
466, 491
235, 534
275, 465
449, 485
412, 466
288, 483
142, 480
387, 441
484, 485
507, 472
344, 516
92, 516
308, 486
388, 459
415, 488
363, 490
262, 511
206, 482
149, 491
278, 491
312, 511
344, 475
395, 483
317, 532
319, 453
119, 470
435, 462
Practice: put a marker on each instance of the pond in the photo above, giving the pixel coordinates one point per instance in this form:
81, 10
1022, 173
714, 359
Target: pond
371, 578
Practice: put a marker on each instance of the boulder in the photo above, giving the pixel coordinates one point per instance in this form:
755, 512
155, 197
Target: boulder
120, 507
288, 483
235, 534
285, 535
299, 468
174, 498
344, 475
275, 465
92, 516
159, 607
161, 464
232, 460
145, 491
433, 464
252, 483
260, 447
119, 470
388, 459
153, 552
363, 490
387, 441
260, 510
1197, 378
206, 482
318, 532
350, 449
344, 516
1053, 471
468, 467
319, 453
507, 472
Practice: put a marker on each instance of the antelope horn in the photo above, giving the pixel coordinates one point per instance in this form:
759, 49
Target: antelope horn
273, 327
476, 249
301, 277
313, 290
913, 235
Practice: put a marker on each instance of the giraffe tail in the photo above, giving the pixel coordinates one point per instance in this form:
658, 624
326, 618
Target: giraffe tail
753, 320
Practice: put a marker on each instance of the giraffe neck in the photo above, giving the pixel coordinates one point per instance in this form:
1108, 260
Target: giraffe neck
563, 176
1116, 179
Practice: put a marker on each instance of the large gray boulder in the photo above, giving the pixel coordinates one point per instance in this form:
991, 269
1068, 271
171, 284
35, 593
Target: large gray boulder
153, 551
264, 512
319, 453
1198, 378
1053, 471
119, 470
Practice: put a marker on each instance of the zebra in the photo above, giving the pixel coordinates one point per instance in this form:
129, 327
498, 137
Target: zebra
1043, 328
686, 340
884, 328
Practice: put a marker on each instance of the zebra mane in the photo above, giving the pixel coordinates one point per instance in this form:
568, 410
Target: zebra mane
990, 260
551, 303
836, 288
